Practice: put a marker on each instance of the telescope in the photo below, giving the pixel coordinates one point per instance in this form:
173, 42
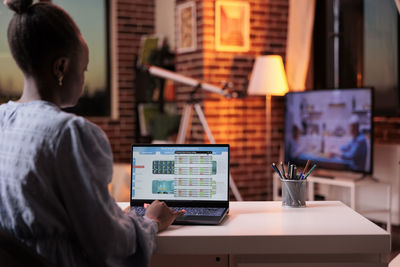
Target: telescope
176, 77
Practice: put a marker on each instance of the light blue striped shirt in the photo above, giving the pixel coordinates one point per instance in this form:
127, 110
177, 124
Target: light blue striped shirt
54, 172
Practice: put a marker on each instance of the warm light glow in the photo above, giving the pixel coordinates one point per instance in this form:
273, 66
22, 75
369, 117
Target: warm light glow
268, 77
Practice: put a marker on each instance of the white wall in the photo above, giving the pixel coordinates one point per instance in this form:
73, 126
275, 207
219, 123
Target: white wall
165, 20
387, 170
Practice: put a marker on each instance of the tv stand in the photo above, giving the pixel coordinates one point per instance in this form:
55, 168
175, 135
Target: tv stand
333, 174
326, 176
353, 184
365, 176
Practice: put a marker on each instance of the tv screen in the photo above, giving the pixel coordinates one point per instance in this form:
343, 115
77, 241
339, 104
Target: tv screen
332, 128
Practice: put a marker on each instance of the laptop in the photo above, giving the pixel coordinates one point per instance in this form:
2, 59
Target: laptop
190, 177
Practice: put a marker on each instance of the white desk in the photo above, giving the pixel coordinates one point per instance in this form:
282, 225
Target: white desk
369, 186
323, 234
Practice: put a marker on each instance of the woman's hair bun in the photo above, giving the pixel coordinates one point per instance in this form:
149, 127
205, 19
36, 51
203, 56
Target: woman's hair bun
18, 6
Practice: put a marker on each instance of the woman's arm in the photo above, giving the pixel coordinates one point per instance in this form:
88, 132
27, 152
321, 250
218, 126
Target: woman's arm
84, 168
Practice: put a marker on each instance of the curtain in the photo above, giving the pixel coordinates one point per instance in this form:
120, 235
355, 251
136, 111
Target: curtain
299, 40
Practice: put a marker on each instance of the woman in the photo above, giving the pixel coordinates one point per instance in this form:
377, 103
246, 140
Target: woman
54, 166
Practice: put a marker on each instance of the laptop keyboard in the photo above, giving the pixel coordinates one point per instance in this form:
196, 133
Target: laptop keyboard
190, 211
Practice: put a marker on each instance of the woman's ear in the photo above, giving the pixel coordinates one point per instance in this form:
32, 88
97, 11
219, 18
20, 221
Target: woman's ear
60, 67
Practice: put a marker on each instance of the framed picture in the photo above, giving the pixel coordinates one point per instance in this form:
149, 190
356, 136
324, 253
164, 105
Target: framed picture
232, 26
186, 27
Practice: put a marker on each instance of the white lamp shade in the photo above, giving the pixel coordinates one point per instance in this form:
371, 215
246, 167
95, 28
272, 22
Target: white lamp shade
268, 77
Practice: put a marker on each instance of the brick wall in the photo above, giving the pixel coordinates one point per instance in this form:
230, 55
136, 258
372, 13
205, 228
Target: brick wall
387, 130
135, 18
239, 122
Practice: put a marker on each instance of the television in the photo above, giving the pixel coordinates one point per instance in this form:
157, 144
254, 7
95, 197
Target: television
331, 128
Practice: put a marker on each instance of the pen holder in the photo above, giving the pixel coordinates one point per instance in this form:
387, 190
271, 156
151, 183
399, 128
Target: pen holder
294, 193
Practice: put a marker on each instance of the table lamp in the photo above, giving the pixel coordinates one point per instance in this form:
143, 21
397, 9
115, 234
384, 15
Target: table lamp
268, 78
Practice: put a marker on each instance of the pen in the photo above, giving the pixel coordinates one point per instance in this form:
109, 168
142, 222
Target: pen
291, 171
294, 172
276, 169
283, 170
313, 167
301, 174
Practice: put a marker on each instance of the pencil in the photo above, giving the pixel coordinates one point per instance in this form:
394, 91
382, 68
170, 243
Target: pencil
306, 167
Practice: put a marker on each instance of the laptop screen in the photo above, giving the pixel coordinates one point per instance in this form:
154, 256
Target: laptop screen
180, 172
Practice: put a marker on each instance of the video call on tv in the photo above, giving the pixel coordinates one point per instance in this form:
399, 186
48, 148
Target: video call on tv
330, 127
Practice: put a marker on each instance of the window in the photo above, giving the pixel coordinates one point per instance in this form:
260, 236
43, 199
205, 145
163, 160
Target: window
92, 17
363, 52
11, 79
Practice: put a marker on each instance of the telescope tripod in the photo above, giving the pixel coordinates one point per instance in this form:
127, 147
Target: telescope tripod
185, 125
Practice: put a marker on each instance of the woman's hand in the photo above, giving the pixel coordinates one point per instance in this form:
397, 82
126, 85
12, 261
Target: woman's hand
162, 214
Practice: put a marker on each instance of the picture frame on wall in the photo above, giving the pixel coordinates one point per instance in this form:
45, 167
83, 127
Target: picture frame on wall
186, 27
232, 26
